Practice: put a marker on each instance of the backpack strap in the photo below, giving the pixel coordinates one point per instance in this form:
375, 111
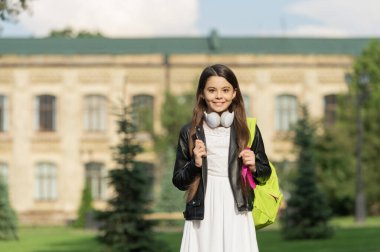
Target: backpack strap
245, 172
251, 122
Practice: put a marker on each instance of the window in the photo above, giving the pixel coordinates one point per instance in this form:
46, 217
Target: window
4, 172
3, 113
330, 109
149, 173
95, 113
45, 181
149, 169
45, 113
143, 112
96, 178
247, 105
286, 112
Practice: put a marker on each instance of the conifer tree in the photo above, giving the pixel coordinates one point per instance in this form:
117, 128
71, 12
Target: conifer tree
307, 212
85, 207
124, 227
8, 219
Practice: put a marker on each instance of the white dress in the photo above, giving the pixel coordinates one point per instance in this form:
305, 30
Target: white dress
223, 228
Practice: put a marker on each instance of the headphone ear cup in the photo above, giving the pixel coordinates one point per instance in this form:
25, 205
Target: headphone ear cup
212, 119
227, 118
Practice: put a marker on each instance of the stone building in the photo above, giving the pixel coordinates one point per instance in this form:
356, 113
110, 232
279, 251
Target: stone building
57, 98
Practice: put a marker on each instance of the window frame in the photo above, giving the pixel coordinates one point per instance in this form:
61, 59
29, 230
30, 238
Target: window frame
46, 182
247, 104
4, 113
4, 171
95, 113
98, 183
45, 114
286, 112
143, 102
330, 103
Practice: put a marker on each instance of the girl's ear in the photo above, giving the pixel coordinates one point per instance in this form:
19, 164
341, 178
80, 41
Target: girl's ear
234, 94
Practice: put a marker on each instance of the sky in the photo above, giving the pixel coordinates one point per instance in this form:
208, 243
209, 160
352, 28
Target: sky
188, 18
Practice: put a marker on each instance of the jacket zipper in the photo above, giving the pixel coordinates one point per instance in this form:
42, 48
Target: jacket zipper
197, 132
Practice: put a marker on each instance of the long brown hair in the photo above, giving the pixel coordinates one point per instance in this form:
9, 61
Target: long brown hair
237, 105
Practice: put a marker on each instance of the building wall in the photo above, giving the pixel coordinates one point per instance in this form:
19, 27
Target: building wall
70, 78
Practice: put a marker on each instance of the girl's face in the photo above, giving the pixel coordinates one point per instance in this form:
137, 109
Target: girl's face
218, 94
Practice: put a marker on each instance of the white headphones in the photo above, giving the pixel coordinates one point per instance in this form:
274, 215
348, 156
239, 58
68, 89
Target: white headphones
213, 119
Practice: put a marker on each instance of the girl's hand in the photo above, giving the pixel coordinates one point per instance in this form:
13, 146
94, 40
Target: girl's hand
249, 159
199, 152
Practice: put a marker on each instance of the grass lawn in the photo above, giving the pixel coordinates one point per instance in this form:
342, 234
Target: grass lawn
52, 239
344, 240
347, 238
364, 239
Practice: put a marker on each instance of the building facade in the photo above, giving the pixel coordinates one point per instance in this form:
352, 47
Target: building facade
58, 98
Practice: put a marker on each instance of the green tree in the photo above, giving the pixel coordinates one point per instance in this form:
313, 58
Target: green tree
68, 32
337, 148
369, 64
124, 227
336, 158
8, 219
176, 112
10, 9
307, 212
170, 199
85, 207
335, 171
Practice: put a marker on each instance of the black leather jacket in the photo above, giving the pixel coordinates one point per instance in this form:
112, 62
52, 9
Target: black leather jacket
185, 171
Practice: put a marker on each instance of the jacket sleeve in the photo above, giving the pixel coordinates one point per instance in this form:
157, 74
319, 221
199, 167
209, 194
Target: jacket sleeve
185, 170
263, 170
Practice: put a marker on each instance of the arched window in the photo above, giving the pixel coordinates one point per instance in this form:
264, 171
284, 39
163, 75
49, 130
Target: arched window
143, 112
247, 105
46, 181
330, 109
3, 113
95, 113
96, 179
149, 173
45, 113
4, 171
286, 112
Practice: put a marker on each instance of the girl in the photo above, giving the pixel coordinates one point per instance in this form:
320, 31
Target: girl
210, 154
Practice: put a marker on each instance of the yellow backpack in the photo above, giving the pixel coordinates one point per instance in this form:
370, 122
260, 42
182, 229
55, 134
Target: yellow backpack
267, 196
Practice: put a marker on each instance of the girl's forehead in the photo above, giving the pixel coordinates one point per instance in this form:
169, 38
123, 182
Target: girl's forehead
217, 82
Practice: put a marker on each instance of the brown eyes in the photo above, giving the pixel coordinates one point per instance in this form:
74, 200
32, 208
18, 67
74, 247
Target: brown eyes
223, 90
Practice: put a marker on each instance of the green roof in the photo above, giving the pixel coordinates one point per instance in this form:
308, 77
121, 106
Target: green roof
184, 45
